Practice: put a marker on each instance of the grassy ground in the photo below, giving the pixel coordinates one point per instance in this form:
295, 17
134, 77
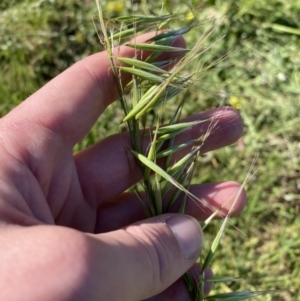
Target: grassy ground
259, 77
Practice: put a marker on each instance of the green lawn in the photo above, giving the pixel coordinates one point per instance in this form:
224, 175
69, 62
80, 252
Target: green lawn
259, 75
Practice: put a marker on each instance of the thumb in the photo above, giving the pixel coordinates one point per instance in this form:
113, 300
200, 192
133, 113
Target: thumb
145, 258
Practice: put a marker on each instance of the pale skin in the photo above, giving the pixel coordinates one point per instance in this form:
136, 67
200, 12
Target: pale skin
67, 229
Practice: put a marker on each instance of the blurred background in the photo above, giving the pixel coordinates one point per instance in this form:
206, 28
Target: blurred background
259, 44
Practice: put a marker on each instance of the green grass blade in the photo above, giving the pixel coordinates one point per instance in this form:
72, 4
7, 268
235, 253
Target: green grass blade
222, 279
161, 90
164, 93
183, 161
167, 41
152, 154
152, 150
145, 208
135, 91
173, 149
214, 245
171, 33
154, 167
178, 175
143, 74
158, 196
282, 28
141, 65
187, 178
152, 101
149, 96
155, 100
169, 135
123, 34
178, 126
143, 18
155, 47
211, 217
234, 296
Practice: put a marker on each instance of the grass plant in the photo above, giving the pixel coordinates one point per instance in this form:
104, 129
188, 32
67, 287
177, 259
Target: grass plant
39, 39
152, 87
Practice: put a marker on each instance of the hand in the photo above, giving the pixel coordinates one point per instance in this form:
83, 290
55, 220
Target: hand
67, 229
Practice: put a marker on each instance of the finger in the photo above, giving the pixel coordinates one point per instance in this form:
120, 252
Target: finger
158, 243
106, 169
71, 103
126, 208
133, 263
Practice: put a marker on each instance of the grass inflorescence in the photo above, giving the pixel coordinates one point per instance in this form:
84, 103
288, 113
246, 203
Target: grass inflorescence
151, 89
154, 83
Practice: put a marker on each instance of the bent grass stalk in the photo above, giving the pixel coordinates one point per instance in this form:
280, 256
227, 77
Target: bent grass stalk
144, 101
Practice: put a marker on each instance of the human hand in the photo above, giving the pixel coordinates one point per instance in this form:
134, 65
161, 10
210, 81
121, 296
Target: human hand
68, 230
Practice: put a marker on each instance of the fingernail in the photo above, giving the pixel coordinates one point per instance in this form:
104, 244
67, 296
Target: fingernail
188, 234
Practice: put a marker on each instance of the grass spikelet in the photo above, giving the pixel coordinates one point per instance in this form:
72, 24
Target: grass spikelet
154, 47
141, 65
143, 74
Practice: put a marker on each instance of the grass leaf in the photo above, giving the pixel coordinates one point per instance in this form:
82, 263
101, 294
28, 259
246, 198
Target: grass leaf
178, 126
